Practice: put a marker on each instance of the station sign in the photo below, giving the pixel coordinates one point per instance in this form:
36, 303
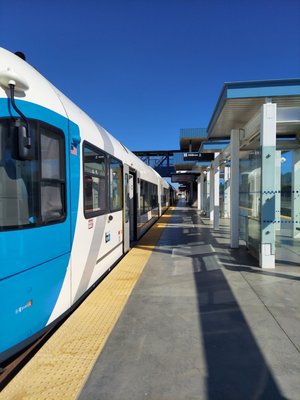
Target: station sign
195, 156
183, 178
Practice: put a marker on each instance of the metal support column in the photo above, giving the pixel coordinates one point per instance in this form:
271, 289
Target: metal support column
199, 192
207, 199
191, 199
296, 193
203, 198
234, 188
226, 192
216, 170
268, 185
211, 193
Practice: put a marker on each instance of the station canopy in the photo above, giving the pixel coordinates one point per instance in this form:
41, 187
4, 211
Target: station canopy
239, 102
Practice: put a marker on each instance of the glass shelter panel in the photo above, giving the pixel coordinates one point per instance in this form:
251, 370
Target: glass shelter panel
288, 217
286, 185
250, 198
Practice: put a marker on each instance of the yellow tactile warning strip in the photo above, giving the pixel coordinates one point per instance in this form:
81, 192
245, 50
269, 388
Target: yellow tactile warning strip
61, 367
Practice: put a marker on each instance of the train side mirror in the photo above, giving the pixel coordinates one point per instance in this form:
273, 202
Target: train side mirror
25, 148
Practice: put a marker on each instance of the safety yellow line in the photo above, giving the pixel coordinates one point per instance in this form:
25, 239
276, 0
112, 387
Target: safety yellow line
61, 367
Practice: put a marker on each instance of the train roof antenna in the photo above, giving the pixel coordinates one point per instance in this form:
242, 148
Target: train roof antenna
21, 55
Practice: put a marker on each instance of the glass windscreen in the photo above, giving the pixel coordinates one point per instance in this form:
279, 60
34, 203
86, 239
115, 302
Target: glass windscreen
32, 192
18, 182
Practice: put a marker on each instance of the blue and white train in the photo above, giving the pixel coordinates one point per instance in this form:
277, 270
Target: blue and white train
72, 200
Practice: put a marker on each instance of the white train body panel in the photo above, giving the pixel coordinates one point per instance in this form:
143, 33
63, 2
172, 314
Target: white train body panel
40, 90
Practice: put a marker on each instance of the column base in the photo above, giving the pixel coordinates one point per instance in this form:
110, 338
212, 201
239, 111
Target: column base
266, 258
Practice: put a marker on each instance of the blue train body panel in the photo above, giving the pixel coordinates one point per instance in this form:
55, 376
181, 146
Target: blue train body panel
34, 261
27, 248
29, 298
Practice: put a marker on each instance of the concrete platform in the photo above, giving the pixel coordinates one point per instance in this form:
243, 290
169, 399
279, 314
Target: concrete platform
203, 322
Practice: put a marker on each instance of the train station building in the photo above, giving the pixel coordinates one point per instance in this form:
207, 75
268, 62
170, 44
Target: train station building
245, 167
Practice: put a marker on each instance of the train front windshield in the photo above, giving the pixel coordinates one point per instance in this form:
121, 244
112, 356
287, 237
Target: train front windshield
18, 183
32, 192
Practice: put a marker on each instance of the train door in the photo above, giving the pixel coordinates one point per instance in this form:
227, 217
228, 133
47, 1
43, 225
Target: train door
129, 207
126, 224
132, 206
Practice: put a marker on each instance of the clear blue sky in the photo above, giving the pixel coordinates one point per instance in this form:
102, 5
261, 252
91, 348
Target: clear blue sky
143, 69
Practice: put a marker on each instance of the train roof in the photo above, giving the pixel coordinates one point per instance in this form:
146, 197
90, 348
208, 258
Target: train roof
38, 90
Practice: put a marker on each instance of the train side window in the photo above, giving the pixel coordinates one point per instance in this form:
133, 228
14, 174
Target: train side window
142, 183
148, 196
52, 177
127, 198
154, 199
115, 172
95, 182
